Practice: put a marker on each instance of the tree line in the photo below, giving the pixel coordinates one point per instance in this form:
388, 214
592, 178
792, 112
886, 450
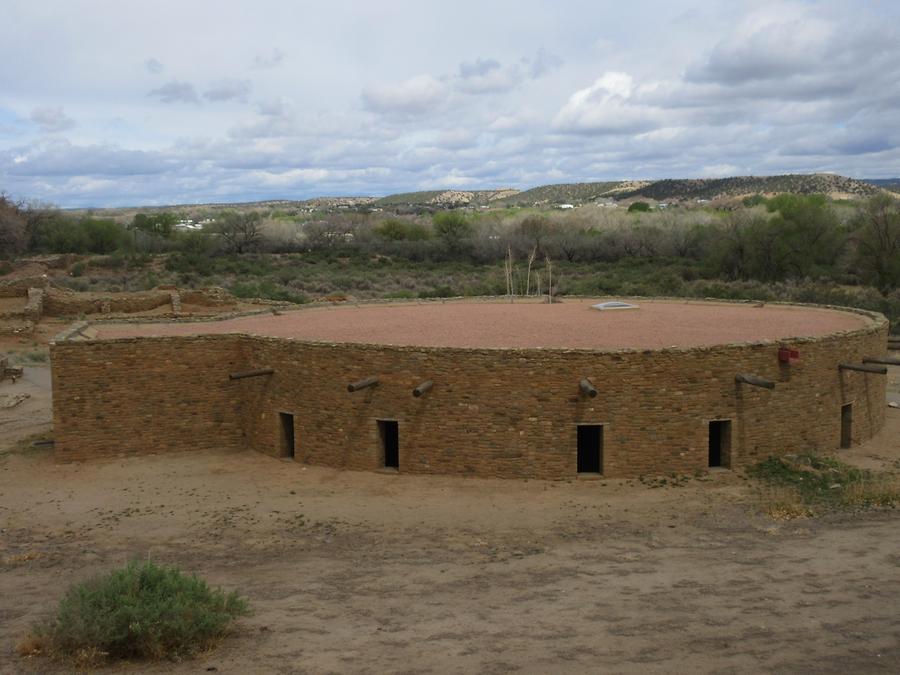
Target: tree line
787, 237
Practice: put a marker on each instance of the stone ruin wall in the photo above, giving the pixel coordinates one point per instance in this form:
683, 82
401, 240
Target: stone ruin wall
496, 413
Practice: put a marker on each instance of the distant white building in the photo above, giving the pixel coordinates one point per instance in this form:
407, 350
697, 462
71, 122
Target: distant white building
566, 206
189, 225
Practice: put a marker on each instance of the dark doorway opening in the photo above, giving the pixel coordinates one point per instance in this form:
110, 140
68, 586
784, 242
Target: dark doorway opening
389, 435
590, 448
287, 434
720, 443
847, 425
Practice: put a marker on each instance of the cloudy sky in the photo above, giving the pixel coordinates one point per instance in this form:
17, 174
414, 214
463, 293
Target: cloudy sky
122, 102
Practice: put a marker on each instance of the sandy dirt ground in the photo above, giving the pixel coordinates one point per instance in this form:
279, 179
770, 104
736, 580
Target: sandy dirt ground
25, 405
569, 324
367, 573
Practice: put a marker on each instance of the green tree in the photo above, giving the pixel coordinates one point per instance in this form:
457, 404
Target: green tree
638, 207
808, 233
453, 229
159, 224
394, 229
876, 231
102, 236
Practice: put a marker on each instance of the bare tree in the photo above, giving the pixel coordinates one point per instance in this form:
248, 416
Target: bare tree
241, 232
13, 235
528, 276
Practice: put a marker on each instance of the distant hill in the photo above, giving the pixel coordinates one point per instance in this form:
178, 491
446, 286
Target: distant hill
570, 193
670, 189
719, 188
890, 184
696, 188
446, 198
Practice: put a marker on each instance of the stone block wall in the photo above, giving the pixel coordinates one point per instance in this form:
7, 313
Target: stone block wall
65, 303
13, 288
133, 396
34, 308
503, 413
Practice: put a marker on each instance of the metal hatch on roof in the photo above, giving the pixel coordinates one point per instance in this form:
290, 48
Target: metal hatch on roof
613, 304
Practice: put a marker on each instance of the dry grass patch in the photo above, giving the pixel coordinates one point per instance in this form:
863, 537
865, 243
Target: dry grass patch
783, 503
797, 486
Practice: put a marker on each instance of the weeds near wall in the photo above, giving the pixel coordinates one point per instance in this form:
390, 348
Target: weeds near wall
797, 486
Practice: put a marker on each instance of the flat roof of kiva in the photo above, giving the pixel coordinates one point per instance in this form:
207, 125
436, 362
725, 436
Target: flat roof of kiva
569, 324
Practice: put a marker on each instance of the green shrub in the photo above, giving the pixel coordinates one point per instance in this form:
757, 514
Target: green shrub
114, 261
267, 290
639, 207
394, 229
142, 611
439, 292
401, 294
453, 229
753, 200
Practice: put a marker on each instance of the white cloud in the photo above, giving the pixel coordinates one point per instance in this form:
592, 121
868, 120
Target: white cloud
228, 90
720, 171
705, 88
415, 96
176, 92
478, 68
153, 66
609, 106
488, 76
542, 63
52, 119
270, 60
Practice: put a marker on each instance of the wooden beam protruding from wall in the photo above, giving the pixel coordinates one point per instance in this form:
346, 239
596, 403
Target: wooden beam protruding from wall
587, 388
883, 360
362, 384
423, 388
754, 380
862, 368
250, 373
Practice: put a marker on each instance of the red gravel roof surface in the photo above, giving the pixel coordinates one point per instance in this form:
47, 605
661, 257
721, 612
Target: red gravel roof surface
494, 324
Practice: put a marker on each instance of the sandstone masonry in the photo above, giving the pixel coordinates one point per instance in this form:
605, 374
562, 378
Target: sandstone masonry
511, 413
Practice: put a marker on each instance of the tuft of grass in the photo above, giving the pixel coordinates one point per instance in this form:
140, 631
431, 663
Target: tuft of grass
805, 485
782, 503
26, 357
139, 611
876, 490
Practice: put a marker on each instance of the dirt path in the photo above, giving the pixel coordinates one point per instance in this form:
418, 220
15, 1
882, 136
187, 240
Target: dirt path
366, 573
25, 406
